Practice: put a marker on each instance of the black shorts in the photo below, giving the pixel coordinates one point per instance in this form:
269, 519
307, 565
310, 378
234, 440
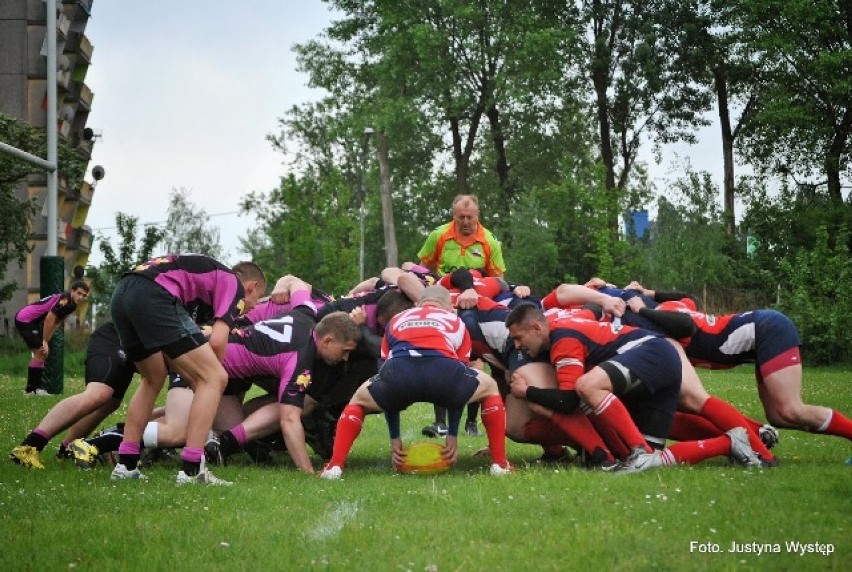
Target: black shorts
234, 387
440, 380
149, 319
111, 367
31, 333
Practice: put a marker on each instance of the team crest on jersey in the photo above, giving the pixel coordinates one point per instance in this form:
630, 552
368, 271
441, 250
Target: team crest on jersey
304, 379
62, 302
241, 307
153, 262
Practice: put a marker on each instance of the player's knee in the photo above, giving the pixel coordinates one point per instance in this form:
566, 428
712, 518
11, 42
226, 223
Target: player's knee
784, 415
690, 401
586, 387
487, 385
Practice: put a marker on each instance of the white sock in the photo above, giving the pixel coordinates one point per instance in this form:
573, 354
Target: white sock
825, 425
149, 436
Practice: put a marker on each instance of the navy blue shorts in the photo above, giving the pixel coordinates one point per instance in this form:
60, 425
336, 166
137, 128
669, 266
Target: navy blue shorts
515, 358
647, 379
149, 319
440, 380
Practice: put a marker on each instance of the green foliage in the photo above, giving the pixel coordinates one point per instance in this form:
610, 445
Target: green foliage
818, 298
309, 229
780, 224
16, 213
132, 249
688, 247
803, 112
15, 216
533, 259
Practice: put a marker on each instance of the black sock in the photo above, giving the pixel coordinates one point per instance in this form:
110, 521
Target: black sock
472, 411
107, 442
35, 440
190, 468
228, 444
129, 461
34, 375
440, 415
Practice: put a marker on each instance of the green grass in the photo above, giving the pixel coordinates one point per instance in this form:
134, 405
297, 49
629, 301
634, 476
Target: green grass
537, 519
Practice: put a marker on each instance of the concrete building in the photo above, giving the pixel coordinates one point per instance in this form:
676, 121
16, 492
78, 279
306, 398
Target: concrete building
23, 95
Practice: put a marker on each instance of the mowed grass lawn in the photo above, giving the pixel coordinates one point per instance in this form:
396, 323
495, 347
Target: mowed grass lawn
540, 518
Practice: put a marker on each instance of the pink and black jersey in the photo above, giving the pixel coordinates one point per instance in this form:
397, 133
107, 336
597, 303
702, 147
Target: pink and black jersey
426, 331
61, 304
366, 300
207, 288
275, 354
268, 309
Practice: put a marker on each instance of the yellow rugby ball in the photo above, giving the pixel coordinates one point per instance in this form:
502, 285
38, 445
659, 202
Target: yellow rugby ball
424, 458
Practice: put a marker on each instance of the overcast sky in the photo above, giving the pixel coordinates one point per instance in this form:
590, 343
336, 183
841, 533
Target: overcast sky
185, 94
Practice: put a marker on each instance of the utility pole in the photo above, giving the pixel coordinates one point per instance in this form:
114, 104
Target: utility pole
362, 195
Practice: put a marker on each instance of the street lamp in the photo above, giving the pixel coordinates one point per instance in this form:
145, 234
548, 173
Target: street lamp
362, 195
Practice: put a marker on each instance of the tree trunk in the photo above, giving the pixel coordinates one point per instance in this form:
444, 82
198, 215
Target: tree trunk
600, 79
391, 250
832, 159
458, 157
721, 83
502, 168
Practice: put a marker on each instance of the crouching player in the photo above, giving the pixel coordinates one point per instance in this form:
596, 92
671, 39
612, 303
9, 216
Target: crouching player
426, 351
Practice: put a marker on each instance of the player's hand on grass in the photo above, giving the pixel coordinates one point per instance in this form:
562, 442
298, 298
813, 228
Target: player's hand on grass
397, 453
451, 450
483, 452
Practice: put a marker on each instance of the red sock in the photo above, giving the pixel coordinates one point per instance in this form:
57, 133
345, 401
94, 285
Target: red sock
542, 431
580, 430
612, 414
753, 423
839, 425
494, 419
725, 416
348, 428
612, 439
692, 452
691, 427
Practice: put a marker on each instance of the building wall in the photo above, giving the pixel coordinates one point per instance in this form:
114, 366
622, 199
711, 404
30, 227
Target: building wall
23, 89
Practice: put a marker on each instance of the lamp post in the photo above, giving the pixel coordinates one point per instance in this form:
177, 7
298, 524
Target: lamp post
362, 195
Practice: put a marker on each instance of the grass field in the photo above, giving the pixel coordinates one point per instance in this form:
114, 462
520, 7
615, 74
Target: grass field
540, 518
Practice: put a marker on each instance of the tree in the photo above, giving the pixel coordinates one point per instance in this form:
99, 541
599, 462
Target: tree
686, 252
187, 228
131, 250
637, 90
454, 63
306, 228
707, 43
803, 122
16, 213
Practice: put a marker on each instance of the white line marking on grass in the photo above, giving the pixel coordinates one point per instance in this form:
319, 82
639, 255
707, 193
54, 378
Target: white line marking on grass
333, 521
